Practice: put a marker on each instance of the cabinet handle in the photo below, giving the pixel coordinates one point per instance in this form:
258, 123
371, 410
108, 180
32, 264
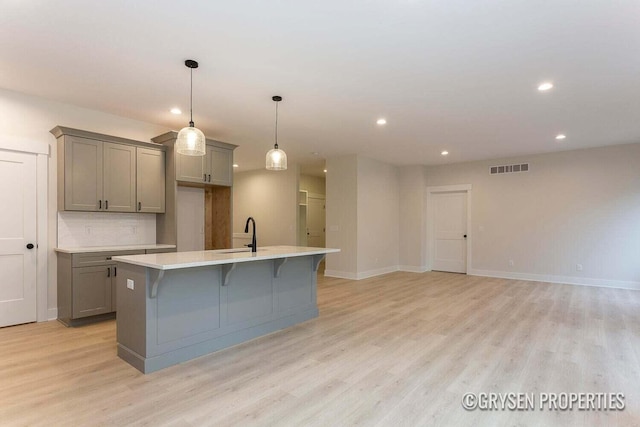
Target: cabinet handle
209, 177
108, 271
99, 204
115, 271
204, 177
106, 205
139, 206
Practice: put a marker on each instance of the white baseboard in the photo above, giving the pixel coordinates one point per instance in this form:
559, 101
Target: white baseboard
413, 268
52, 314
376, 272
360, 275
340, 274
569, 280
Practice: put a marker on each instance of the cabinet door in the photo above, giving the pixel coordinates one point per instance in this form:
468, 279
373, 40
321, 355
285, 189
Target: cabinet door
208, 164
82, 174
119, 178
190, 168
150, 187
221, 166
92, 287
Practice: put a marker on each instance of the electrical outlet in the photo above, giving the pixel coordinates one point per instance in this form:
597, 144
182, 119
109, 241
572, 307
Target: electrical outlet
130, 284
134, 230
87, 230
511, 263
578, 267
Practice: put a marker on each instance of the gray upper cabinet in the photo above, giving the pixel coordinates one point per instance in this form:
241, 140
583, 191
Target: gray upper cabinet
80, 163
119, 177
189, 168
214, 168
100, 173
150, 180
219, 165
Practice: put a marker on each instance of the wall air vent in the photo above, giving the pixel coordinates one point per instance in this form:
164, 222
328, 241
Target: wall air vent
521, 167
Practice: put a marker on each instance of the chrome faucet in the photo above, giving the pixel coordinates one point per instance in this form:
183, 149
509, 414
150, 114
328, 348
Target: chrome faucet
253, 245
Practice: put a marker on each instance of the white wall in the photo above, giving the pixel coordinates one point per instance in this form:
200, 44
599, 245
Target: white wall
27, 118
378, 217
190, 226
271, 198
413, 251
362, 217
342, 216
313, 184
573, 207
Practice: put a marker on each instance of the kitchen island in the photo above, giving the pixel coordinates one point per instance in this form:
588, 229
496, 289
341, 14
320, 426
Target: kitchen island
174, 307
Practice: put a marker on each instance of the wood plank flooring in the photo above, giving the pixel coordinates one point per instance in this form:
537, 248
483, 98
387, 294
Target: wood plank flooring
395, 350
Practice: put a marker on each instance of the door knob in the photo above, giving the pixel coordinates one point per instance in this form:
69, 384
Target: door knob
30, 246
465, 236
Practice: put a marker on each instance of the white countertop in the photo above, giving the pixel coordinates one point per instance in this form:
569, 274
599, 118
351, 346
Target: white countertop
86, 249
177, 260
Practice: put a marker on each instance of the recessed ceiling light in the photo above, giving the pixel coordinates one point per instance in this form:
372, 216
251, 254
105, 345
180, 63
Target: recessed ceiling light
561, 136
176, 111
444, 153
381, 121
235, 165
324, 170
545, 86
315, 153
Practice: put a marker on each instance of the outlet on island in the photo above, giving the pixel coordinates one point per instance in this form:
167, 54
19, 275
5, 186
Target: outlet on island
130, 284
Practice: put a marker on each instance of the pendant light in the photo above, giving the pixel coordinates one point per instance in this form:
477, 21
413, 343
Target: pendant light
276, 158
191, 140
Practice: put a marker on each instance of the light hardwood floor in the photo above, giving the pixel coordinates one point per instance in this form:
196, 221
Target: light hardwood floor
399, 349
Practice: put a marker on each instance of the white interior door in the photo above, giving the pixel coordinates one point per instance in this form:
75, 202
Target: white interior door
316, 222
450, 232
17, 231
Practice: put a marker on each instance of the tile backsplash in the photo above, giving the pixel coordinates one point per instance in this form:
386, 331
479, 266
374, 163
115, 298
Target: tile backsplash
80, 229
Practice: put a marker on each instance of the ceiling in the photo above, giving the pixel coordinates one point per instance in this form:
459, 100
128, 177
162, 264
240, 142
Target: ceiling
459, 75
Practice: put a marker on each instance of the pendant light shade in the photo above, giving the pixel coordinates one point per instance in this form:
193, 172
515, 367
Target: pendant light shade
276, 158
191, 140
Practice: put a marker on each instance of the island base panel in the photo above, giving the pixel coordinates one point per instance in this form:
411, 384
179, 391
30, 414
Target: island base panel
152, 364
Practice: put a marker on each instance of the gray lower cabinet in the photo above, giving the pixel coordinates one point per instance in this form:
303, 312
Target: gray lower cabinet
87, 285
92, 291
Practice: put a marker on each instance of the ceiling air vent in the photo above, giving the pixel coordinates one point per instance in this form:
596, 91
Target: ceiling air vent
521, 167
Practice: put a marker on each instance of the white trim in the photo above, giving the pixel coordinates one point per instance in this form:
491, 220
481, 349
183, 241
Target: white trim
414, 268
340, 274
42, 226
361, 275
430, 223
24, 145
52, 314
566, 280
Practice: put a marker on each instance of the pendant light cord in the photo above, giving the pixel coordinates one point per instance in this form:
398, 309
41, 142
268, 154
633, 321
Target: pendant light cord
191, 100
276, 146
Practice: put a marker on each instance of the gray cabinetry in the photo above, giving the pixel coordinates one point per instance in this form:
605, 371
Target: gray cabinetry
99, 173
119, 177
189, 168
92, 291
80, 167
219, 165
87, 285
150, 181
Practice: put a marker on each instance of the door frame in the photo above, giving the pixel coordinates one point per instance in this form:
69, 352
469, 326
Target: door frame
42, 152
431, 191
